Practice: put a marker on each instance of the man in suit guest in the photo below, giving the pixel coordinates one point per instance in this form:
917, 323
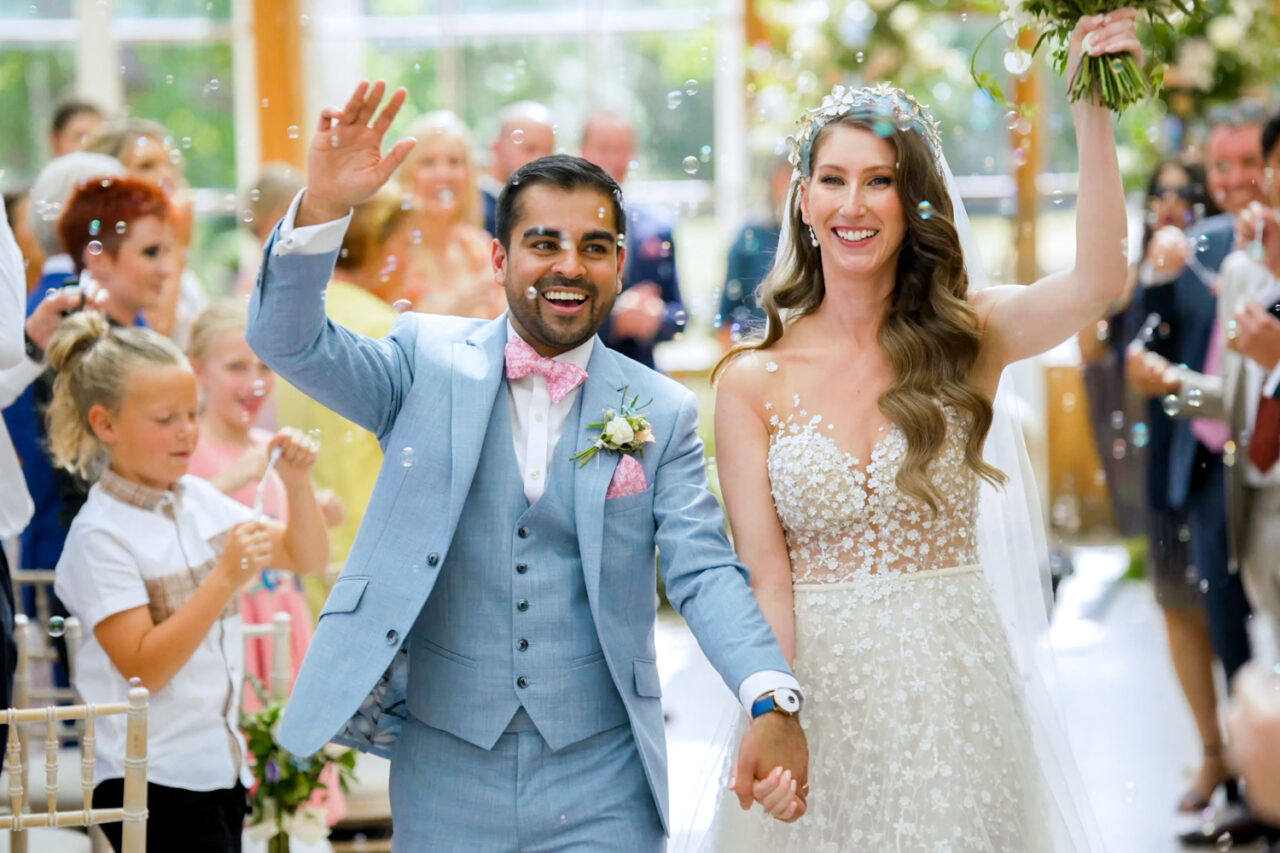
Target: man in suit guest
650, 309
525, 133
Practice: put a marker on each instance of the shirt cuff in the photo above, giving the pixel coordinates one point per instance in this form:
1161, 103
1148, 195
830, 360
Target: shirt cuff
309, 239
1271, 387
759, 683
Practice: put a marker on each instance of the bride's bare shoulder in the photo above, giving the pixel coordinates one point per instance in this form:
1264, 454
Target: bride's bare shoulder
745, 376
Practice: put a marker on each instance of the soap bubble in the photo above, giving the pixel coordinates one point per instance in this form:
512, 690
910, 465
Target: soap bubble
517, 136
691, 87
57, 626
1117, 419
121, 227
214, 85
406, 457
1202, 243
925, 208
531, 293
292, 131
1195, 398
94, 227
94, 247
1118, 449
1171, 405
690, 165
259, 388
1139, 435
674, 99
401, 305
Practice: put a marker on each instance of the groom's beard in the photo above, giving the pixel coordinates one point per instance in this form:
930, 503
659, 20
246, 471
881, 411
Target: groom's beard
539, 321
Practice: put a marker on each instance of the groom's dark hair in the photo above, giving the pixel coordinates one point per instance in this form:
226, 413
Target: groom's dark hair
562, 172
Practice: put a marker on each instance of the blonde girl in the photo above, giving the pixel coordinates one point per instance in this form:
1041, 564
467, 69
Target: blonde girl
153, 567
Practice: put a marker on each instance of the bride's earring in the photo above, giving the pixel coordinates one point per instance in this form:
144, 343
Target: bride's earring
813, 235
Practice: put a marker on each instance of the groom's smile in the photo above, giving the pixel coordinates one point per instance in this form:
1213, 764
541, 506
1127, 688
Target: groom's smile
562, 269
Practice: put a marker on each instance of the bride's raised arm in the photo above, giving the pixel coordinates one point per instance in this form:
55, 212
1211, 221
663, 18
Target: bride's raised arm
1020, 322
742, 450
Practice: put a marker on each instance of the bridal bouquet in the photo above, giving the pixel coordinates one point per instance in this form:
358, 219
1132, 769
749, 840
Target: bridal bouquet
1117, 80
284, 784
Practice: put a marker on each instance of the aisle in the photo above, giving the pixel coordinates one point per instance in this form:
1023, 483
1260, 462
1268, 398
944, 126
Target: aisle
1130, 730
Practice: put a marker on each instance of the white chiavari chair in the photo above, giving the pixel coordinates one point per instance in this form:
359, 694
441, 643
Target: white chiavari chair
42, 651
133, 814
281, 660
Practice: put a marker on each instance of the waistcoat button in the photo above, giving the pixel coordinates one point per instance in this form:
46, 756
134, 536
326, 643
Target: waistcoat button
522, 605
522, 682
522, 532
393, 637
523, 645
522, 567
433, 558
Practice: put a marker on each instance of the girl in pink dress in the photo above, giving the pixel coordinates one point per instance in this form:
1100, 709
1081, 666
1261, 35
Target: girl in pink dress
232, 454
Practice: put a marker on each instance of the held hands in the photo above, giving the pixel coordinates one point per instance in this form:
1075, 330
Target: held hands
1100, 35
345, 165
773, 767
1168, 251
247, 552
297, 454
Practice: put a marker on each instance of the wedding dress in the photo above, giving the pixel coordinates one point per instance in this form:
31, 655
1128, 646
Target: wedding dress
917, 728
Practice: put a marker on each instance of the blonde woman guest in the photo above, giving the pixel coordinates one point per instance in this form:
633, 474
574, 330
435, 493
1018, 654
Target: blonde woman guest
355, 457
146, 150
438, 256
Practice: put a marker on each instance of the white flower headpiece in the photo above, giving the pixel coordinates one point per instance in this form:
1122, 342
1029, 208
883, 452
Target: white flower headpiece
887, 108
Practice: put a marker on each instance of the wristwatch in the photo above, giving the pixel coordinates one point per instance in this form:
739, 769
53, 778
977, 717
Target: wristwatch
784, 700
34, 351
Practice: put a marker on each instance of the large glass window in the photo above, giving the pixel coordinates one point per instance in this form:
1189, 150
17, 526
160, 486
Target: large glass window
32, 81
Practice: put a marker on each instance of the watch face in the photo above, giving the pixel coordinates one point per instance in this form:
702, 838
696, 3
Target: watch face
787, 700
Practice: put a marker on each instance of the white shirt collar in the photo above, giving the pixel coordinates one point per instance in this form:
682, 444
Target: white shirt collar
579, 356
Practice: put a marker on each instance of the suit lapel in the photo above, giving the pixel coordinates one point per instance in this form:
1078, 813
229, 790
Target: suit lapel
475, 379
602, 390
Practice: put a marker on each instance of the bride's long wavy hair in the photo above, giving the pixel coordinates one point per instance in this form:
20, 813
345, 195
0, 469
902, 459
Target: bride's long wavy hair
931, 334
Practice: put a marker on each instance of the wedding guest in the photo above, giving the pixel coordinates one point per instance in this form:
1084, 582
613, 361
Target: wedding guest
525, 133
17, 207
750, 259
233, 454
47, 199
1180, 288
1244, 394
352, 466
649, 310
263, 205
1177, 197
153, 568
131, 264
438, 248
73, 123
146, 150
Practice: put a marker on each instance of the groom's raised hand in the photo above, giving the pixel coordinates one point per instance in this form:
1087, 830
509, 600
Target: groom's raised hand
773, 766
345, 165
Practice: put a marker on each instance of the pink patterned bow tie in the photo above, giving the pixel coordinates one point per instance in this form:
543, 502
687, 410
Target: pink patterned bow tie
561, 376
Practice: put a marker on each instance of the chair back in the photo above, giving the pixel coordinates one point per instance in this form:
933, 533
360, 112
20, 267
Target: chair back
278, 630
41, 649
134, 812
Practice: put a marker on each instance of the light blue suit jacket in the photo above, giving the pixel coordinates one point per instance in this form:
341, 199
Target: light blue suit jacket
430, 385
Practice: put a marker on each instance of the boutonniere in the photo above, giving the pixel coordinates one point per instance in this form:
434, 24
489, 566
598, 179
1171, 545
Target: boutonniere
622, 430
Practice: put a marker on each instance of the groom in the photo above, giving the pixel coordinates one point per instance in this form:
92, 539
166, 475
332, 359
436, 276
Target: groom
492, 632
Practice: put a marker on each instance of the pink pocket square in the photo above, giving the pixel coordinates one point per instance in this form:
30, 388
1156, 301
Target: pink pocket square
628, 479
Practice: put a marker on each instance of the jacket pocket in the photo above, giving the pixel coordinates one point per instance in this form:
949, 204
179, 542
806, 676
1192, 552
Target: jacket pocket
345, 595
449, 655
647, 681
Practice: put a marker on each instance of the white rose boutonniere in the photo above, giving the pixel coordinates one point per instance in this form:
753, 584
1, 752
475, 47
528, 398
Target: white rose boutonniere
622, 430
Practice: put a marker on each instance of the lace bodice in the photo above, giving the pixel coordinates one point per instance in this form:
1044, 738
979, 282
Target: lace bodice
842, 519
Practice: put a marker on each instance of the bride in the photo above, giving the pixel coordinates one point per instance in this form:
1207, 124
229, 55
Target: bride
857, 446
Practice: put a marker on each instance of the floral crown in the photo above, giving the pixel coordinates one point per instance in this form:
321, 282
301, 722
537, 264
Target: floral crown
887, 108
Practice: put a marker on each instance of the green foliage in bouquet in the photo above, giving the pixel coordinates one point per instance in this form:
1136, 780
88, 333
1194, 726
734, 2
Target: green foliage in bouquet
1117, 81
284, 783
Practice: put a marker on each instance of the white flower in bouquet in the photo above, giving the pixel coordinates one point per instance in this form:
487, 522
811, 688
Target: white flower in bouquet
1015, 18
264, 826
308, 825
618, 431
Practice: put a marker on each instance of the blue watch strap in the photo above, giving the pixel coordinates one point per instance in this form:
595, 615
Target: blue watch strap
763, 705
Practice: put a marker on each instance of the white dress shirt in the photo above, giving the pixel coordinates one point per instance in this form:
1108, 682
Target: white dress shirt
16, 373
536, 422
